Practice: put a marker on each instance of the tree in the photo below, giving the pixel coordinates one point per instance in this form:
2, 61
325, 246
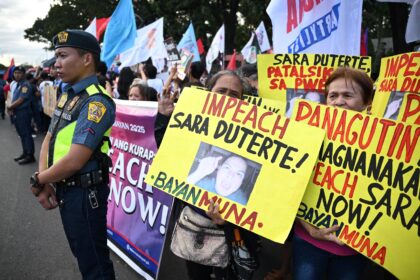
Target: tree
68, 14
239, 17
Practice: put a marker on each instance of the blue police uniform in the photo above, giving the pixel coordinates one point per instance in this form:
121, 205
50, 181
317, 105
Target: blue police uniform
84, 207
22, 119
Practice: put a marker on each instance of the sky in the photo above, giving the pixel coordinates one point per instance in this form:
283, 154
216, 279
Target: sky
15, 17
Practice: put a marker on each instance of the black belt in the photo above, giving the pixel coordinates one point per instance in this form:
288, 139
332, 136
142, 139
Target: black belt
84, 180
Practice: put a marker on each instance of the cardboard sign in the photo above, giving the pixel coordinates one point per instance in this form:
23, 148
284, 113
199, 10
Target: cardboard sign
366, 180
253, 162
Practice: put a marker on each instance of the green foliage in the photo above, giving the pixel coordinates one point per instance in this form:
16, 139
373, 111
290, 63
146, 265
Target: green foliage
240, 17
67, 14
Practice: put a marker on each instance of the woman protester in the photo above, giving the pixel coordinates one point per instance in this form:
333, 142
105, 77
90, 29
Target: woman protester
140, 92
317, 252
230, 84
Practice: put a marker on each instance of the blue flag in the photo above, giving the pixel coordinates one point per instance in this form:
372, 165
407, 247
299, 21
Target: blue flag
120, 33
189, 43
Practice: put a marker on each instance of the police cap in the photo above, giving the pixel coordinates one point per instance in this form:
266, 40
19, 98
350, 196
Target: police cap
77, 39
20, 69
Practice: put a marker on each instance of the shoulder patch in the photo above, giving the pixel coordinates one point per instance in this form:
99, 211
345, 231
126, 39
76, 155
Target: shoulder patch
96, 111
62, 100
24, 89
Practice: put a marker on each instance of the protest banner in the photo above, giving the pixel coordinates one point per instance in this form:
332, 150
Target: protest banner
138, 214
310, 26
397, 95
50, 100
251, 161
366, 180
290, 77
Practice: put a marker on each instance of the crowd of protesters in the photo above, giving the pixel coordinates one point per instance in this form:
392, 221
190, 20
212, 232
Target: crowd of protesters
315, 252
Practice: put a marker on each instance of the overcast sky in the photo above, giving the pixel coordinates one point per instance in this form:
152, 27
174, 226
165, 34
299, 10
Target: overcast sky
15, 17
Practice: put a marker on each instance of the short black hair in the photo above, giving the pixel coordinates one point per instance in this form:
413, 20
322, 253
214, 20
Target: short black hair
197, 69
150, 71
101, 68
95, 56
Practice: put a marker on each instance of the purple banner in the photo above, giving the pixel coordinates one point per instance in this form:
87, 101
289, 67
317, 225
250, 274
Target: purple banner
137, 213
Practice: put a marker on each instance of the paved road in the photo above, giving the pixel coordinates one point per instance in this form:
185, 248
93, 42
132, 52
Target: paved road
32, 241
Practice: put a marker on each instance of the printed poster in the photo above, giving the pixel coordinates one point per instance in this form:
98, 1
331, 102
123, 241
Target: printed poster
254, 163
138, 214
366, 180
291, 77
397, 95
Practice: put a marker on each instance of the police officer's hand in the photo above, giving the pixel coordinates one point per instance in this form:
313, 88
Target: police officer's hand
10, 111
47, 197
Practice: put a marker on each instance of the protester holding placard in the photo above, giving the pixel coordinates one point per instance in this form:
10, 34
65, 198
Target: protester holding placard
317, 251
230, 84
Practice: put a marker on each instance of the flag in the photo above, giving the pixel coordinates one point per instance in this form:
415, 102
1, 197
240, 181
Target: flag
200, 46
9, 70
149, 43
331, 27
189, 43
101, 24
97, 27
412, 33
232, 62
262, 37
216, 47
364, 43
251, 49
120, 34
92, 28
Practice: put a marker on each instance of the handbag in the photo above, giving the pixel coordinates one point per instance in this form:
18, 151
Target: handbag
198, 239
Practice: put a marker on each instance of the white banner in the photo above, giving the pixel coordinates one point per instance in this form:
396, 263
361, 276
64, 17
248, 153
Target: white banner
149, 43
329, 26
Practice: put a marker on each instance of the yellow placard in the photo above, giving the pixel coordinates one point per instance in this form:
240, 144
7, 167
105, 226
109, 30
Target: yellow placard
253, 162
367, 181
272, 105
397, 95
290, 77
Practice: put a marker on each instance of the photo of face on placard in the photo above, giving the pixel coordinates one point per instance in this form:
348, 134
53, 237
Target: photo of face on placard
292, 95
223, 173
394, 105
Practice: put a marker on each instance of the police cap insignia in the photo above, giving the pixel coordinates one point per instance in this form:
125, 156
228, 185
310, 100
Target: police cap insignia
62, 37
79, 39
96, 111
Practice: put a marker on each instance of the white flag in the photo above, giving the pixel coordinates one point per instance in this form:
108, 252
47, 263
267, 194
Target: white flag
249, 52
92, 27
262, 37
149, 43
329, 26
218, 45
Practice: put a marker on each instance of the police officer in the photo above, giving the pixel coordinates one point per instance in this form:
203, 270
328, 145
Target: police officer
73, 156
21, 113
